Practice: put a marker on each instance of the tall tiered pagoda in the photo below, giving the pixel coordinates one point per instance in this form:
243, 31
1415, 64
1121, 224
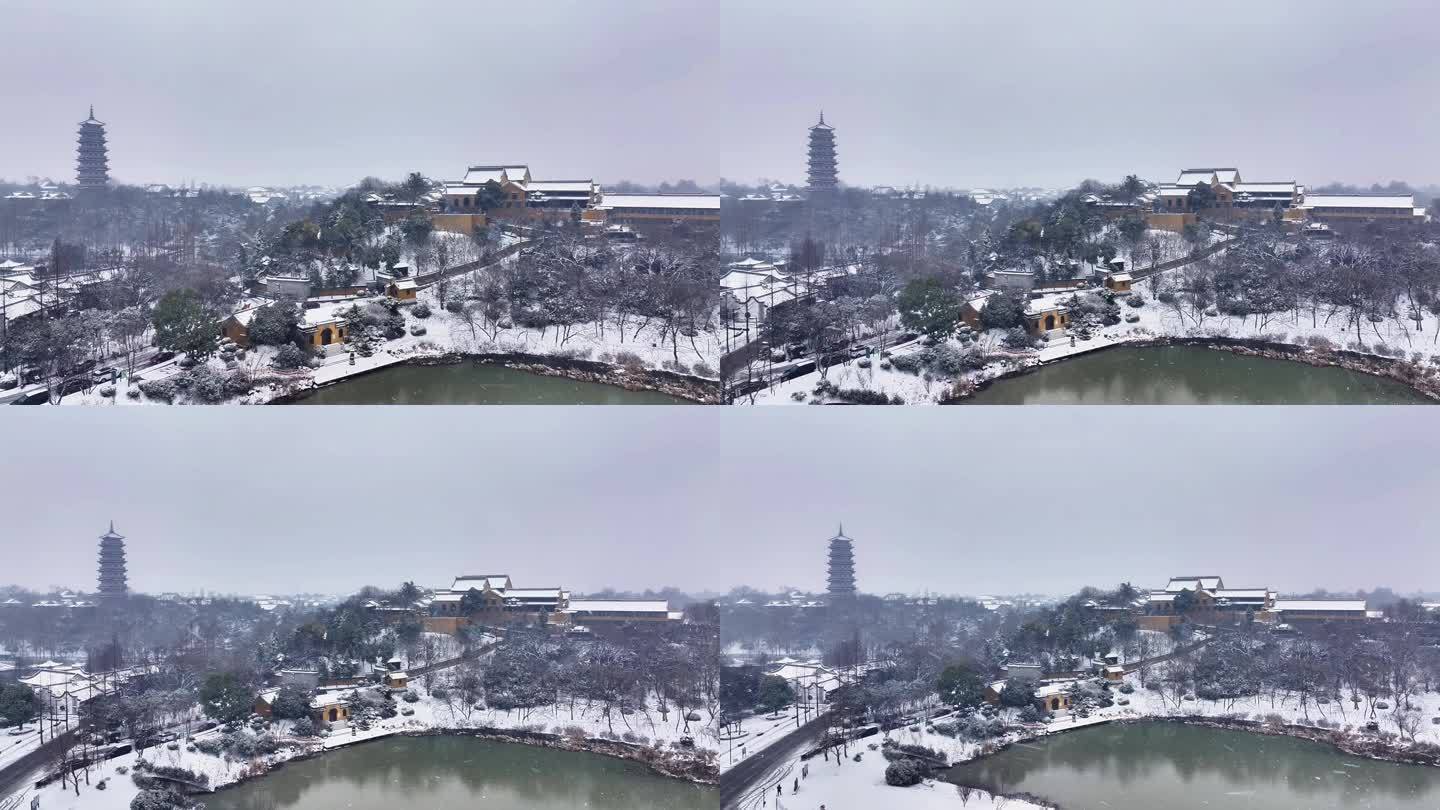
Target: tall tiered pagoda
842, 566
112, 583
92, 168
822, 170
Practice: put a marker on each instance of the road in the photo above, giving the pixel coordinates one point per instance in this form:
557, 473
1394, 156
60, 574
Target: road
744, 778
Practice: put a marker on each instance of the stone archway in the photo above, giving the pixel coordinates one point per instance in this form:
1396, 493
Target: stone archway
325, 336
1049, 322
334, 715
1054, 704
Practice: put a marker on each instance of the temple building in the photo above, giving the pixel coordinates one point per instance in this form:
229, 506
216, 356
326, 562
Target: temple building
842, 566
112, 582
822, 174
92, 170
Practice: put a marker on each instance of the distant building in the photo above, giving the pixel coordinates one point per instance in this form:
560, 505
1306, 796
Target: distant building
841, 580
92, 169
112, 579
822, 170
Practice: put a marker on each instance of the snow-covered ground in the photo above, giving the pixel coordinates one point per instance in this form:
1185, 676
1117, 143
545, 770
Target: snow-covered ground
1153, 320
849, 785
430, 714
754, 734
445, 333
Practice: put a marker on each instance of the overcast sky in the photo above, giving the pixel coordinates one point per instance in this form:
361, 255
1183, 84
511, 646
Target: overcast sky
259, 500
954, 500
1049, 92
249, 92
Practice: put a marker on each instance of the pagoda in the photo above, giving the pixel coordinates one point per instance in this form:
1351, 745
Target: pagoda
822, 172
112, 565
92, 170
842, 566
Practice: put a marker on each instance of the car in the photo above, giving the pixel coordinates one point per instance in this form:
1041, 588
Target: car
104, 374
161, 357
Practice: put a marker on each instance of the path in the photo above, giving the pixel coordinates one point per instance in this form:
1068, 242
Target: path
741, 780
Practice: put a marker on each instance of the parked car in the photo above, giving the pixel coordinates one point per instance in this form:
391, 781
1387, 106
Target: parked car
104, 374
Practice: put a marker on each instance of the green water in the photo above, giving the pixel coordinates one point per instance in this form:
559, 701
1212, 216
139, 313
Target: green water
462, 772
471, 384
1177, 767
1192, 375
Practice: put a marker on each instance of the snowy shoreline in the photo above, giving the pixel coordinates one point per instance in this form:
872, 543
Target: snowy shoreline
694, 389
1373, 365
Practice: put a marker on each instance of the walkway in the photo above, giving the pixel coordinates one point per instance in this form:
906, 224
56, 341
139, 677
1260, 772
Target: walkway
753, 772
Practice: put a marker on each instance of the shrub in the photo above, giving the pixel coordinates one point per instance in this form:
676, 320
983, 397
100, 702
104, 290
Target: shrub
863, 362
132, 392
903, 773
1017, 338
702, 369
207, 385
420, 310
417, 330
1126, 689
630, 361
107, 391
861, 396
1319, 342
304, 727
1131, 317
454, 306
162, 390
1135, 300
291, 356
159, 800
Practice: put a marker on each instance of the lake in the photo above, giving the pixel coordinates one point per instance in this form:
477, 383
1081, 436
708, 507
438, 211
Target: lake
473, 384
458, 772
1180, 767
1191, 375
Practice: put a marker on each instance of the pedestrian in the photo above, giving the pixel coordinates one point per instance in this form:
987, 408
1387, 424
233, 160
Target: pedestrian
779, 791
1072, 340
795, 788
805, 771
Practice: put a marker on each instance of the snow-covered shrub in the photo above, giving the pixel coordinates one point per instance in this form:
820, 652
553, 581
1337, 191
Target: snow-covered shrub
186, 361
207, 385
410, 696
1017, 338
702, 369
107, 391
863, 362
291, 356
1126, 689
1319, 342
159, 800
420, 310
211, 745
1135, 299
417, 330
454, 306
886, 365
162, 390
1131, 317
629, 360
903, 773
798, 396
304, 727
132, 392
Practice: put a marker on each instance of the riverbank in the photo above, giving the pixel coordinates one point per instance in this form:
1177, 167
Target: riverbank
629, 378
1423, 381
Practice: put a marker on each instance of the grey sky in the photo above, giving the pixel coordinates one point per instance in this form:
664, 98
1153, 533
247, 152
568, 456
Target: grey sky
326, 91
1007, 500
256, 500
954, 500
1048, 92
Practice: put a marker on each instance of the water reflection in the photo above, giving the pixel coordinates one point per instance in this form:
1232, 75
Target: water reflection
1182, 767
462, 772
472, 384
1190, 375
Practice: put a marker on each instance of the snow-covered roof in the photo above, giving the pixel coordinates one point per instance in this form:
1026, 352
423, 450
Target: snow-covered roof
328, 699
1405, 201
1174, 192
1194, 176
404, 284
1284, 187
561, 186
468, 581
1321, 605
1121, 277
709, 202
617, 605
1208, 583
